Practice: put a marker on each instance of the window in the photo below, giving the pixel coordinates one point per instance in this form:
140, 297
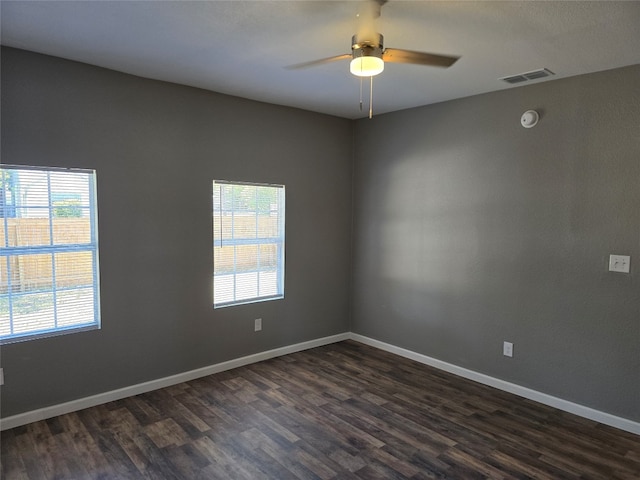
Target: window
248, 243
48, 252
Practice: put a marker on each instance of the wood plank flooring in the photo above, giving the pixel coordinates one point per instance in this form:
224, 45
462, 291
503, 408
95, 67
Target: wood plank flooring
343, 411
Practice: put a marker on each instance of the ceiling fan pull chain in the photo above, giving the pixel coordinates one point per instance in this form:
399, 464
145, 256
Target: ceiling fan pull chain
360, 93
371, 98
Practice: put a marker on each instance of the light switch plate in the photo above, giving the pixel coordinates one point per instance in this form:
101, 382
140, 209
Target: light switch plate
619, 263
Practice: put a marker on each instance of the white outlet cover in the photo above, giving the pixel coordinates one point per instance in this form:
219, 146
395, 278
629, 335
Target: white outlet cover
507, 349
619, 263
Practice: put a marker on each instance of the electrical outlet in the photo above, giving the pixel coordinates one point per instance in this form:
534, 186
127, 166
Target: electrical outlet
619, 263
257, 324
1, 376
507, 349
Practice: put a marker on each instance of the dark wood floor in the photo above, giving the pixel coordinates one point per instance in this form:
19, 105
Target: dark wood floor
343, 411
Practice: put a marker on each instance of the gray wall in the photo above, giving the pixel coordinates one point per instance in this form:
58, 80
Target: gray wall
156, 148
470, 230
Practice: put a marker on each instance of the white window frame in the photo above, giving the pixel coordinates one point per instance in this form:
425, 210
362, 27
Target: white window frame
218, 241
7, 252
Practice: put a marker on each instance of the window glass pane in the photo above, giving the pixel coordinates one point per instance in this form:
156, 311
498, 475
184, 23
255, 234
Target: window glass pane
33, 312
269, 256
75, 306
31, 190
5, 320
246, 285
223, 260
244, 225
30, 273
4, 275
223, 289
268, 225
25, 231
268, 282
74, 269
72, 230
247, 258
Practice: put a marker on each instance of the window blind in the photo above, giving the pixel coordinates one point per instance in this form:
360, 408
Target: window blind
48, 252
248, 242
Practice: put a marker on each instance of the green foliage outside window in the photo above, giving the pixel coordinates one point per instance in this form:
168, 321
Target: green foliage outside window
67, 208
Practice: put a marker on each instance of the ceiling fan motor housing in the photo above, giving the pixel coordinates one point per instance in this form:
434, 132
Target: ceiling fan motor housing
367, 48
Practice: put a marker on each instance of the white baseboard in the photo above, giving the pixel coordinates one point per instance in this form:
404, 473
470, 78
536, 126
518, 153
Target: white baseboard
560, 404
92, 401
75, 405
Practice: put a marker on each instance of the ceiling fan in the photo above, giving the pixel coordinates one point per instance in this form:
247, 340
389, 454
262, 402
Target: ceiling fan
368, 54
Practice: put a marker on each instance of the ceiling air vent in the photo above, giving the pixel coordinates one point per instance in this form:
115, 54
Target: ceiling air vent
525, 77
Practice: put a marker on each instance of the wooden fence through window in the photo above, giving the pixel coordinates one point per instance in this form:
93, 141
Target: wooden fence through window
34, 272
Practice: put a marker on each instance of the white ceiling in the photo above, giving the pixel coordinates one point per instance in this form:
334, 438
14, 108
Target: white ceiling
241, 47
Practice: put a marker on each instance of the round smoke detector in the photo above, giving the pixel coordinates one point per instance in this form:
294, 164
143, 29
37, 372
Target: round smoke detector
529, 118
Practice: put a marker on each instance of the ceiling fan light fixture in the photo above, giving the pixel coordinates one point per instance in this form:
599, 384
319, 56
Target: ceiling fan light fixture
366, 66
367, 56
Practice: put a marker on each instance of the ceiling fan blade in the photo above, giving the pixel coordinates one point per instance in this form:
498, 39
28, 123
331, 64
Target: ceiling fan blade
321, 61
398, 55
